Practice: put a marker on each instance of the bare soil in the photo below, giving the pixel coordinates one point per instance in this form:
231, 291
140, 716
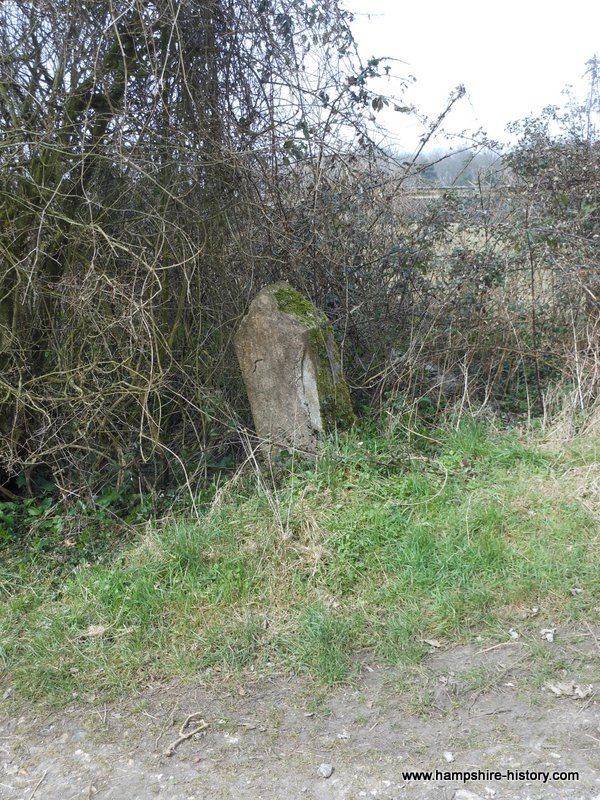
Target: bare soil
464, 710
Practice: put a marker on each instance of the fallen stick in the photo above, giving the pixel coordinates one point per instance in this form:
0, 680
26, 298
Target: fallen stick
38, 784
185, 736
496, 646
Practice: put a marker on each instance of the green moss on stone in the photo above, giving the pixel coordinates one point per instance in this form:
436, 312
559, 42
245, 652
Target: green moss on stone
334, 395
291, 302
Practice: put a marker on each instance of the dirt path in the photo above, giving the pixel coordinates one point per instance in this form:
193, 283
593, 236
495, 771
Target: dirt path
463, 711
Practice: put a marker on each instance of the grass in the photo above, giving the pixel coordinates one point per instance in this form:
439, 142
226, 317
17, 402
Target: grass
388, 540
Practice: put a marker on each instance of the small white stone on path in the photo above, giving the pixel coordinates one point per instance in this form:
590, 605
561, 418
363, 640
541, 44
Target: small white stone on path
325, 770
465, 794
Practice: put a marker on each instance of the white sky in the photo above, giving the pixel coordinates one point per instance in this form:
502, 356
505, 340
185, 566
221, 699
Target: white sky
514, 57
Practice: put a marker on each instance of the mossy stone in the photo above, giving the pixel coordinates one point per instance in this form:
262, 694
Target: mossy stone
291, 367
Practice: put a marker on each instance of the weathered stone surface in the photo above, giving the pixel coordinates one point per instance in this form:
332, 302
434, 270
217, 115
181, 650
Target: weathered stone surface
291, 368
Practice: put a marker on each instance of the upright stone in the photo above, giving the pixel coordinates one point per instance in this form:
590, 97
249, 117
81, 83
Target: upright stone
291, 368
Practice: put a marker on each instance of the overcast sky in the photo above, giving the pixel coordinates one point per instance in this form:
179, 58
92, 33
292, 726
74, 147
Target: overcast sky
514, 57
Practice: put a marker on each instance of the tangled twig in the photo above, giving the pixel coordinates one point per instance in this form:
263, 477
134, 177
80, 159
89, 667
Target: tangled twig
183, 736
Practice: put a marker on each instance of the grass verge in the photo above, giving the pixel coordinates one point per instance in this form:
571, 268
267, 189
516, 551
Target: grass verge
387, 541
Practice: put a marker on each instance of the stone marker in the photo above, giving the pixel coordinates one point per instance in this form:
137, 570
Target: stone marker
291, 368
